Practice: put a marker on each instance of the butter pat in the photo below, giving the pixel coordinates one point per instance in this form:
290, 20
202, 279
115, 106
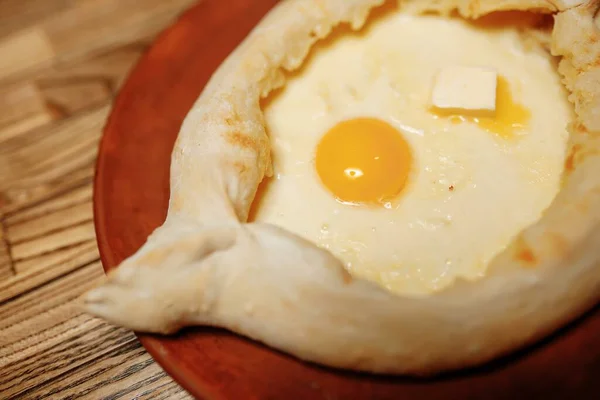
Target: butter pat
465, 90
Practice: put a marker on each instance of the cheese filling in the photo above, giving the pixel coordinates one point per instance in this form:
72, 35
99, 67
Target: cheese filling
472, 182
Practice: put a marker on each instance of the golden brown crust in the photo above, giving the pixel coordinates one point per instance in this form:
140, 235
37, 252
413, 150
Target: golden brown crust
265, 283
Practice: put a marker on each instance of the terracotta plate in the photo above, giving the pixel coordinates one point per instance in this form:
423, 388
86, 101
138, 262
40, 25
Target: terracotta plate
130, 200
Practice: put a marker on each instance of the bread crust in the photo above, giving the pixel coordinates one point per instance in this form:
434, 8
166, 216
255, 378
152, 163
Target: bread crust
206, 266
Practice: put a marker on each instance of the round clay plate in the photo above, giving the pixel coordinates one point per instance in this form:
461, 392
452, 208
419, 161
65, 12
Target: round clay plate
130, 200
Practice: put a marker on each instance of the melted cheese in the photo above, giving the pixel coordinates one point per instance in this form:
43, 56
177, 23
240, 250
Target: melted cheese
473, 182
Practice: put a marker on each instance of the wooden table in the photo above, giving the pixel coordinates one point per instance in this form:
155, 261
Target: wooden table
61, 64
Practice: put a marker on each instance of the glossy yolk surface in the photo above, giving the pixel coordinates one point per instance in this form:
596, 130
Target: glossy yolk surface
509, 118
363, 160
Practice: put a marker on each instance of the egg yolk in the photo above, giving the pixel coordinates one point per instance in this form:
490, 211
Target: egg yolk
363, 160
509, 118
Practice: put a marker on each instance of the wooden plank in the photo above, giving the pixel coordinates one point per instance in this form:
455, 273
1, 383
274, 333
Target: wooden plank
26, 49
52, 223
58, 350
100, 25
47, 267
6, 268
20, 101
23, 125
28, 314
42, 163
65, 90
42, 155
75, 355
17, 199
61, 239
77, 195
61, 64
49, 240
17, 14
83, 83
127, 372
110, 68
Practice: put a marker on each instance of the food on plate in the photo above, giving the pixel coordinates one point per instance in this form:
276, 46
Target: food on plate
400, 164
407, 187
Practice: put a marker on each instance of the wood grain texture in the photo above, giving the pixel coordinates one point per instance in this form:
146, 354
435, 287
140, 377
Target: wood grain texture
61, 64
